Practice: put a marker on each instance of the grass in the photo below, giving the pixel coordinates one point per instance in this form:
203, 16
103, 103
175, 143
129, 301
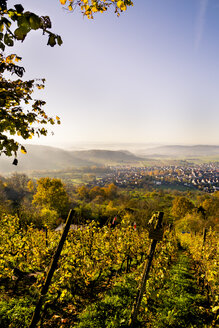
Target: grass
181, 303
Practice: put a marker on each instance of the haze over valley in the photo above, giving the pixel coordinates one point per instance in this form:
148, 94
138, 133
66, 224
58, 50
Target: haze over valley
48, 158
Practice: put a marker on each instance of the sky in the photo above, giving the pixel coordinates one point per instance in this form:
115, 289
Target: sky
148, 76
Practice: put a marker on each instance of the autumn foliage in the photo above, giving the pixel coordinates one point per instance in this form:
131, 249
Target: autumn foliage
90, 7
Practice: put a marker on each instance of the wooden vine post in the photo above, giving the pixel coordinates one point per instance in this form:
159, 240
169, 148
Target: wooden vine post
53, 266
155, 233
204, 236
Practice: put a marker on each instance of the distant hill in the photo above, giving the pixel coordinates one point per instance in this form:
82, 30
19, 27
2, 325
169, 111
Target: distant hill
107, 156
44, 158
41, 158
182, 151
50, 158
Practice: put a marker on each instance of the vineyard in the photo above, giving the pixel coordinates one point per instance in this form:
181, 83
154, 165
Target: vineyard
98, 274
120, 229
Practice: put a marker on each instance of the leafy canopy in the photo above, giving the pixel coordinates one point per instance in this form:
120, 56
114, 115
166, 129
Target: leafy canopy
51, 194
15, 25
89, 7
181, 206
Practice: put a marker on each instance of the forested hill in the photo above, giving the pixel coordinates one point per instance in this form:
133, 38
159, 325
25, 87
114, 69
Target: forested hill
103, 156
50, 158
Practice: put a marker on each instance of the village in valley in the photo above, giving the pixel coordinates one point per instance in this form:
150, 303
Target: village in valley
202, 176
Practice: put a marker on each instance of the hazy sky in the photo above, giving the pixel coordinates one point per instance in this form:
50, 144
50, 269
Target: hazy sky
149, 76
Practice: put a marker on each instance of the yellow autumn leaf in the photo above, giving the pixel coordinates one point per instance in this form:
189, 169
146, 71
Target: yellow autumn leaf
17, 59
63, 2
23, 151
121, 5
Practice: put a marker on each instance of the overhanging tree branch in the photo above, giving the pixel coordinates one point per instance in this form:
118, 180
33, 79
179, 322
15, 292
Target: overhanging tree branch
20, 114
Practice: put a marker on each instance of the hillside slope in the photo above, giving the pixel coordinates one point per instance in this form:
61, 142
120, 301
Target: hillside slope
50, 158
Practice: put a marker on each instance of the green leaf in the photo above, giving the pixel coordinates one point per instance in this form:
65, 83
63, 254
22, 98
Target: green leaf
51, 40
23, 21
8, 40
59, 40
20, 33
1, 26
2, 46
35, 21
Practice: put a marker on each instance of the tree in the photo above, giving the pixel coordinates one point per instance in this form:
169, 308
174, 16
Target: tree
51, 195
16, 189
181, 206
49, 217
90, 7
111, 191
4, 202
15, 24
96, 191
191, 222
83, 192
211, 206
